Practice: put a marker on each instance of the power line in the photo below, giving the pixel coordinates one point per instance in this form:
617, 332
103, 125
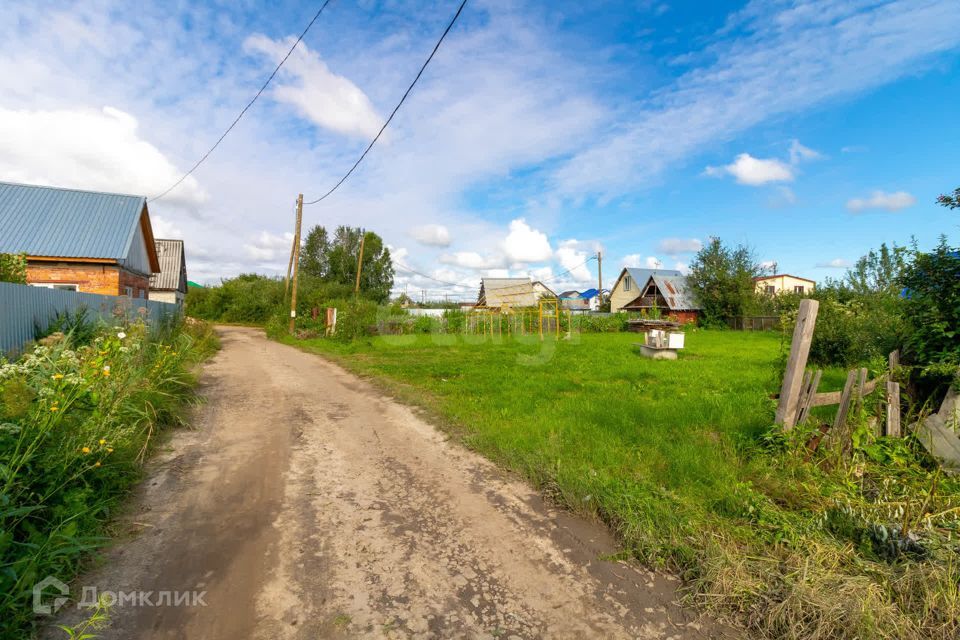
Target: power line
414, 271
395, 109
244, 110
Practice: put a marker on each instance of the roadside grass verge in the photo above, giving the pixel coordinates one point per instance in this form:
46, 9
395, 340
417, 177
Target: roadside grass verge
76, 422
679, 458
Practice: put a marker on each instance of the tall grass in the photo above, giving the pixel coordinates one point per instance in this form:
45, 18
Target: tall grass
680, 459
75, 425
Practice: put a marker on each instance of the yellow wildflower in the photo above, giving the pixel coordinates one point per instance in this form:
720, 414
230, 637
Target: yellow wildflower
106, 371
54, 408
97, 463
57, 376
109, 450
102, 442
85, 449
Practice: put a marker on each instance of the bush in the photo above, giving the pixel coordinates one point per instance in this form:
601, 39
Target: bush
932, 301
589, 323
248, 298
75, 425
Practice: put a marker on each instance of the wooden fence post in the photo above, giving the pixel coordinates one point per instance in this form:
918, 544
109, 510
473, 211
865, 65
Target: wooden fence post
799, 352
893, 409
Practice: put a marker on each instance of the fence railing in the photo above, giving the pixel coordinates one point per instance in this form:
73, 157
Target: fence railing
754, 323
24, 308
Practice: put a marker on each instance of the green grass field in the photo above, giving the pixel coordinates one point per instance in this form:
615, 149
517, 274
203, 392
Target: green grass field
670, 454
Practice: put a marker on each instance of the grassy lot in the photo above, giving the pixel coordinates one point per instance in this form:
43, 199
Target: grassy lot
678, 458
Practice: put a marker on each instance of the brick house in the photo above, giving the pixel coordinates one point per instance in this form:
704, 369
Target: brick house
79, 240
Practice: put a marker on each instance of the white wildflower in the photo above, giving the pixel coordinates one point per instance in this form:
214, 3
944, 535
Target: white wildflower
121, 335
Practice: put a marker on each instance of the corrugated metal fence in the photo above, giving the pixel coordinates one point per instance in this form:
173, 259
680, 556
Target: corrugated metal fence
23, 308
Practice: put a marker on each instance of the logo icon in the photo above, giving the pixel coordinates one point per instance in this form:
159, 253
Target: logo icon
38, 596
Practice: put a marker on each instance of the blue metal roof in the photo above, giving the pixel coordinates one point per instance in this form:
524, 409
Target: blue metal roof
589, 293
48, 221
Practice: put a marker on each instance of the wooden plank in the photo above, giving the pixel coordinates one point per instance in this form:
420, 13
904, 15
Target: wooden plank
841, 417
941, 442
797, 363
893, 409
861, 383
804, 412
833, 397
893, 360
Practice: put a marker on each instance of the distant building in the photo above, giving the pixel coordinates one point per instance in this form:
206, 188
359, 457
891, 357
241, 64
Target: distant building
79, 240
589, 300
627, 287
669, 296
496, 293
784, 283
170, 285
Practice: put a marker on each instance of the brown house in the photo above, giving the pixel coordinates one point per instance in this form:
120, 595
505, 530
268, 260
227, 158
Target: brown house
669, 296
79, 240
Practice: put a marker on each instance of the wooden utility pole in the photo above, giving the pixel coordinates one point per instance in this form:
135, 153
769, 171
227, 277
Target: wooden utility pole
296, 263
356, 288
286, 283
599, 277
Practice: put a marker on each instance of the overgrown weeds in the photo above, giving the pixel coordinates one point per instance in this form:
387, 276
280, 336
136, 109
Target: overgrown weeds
76, 422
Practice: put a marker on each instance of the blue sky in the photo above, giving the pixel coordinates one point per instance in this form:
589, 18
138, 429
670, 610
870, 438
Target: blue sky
811, 131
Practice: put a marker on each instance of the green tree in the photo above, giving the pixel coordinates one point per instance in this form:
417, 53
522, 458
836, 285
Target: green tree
13, 268
932, 296
376, 277
951, 201
879, 271
314, 253
722, 279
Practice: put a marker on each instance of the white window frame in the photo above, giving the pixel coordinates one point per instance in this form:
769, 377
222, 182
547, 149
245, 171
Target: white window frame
128, 291
61, 286
626, 283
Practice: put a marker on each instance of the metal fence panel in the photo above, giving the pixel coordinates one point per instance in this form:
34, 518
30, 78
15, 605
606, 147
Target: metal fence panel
24, 308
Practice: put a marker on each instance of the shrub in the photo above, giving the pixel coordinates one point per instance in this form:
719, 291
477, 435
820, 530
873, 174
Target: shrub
589, 323
13, 268
932, 300
75, 426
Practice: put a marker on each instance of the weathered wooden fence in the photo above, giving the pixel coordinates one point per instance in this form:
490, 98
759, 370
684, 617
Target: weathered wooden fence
937, 431
24, 308
754, 323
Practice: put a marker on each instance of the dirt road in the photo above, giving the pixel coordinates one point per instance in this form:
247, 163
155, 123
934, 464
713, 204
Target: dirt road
308, 505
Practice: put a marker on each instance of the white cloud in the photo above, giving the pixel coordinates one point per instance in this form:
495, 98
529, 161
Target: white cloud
653, 262
87, 149
325, 98
881, 200
854, 148
753, 171
472, 260
675, 246
771, 59
574, 260
268, 247
164, 229
785, 197
631, 260
432, 235
836, 263
682, 267
525, 244
768, 265
800, 153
